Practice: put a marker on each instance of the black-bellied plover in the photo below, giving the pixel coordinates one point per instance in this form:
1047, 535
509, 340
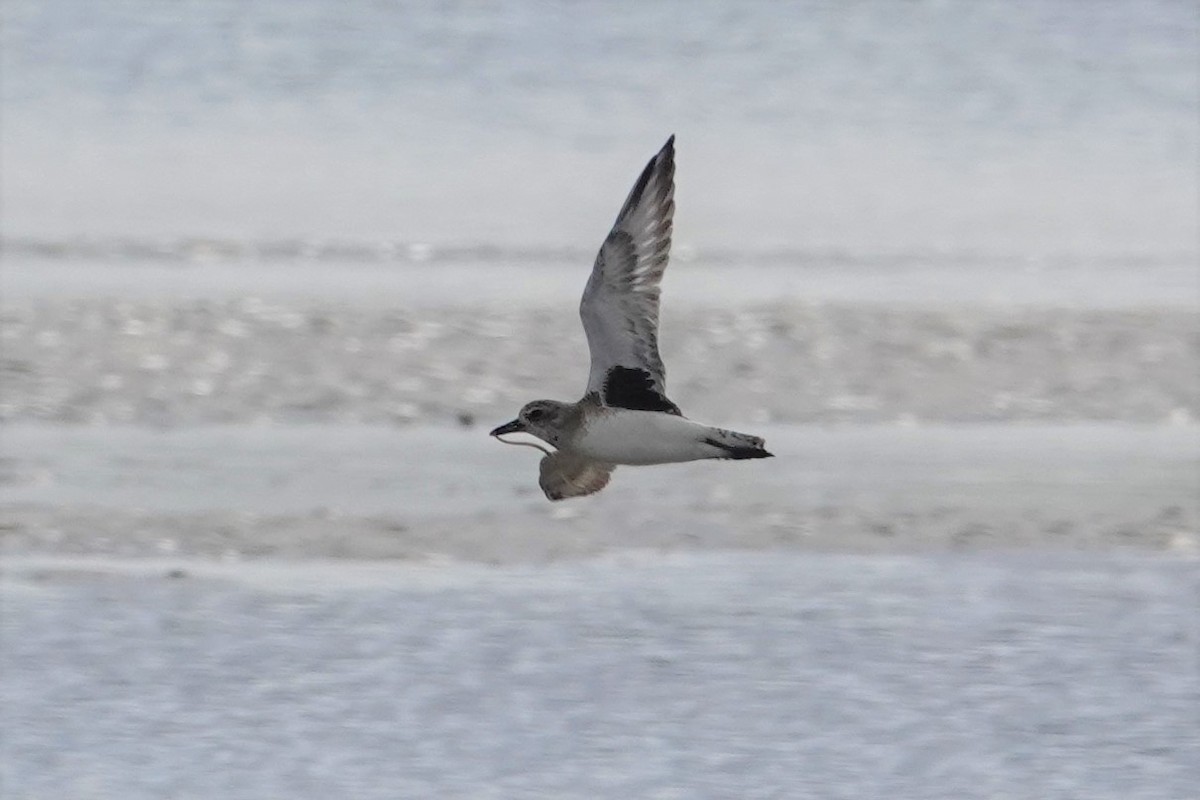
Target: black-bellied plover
625, 416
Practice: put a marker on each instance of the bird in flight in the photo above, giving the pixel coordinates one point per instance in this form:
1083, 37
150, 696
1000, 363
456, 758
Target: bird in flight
625, 416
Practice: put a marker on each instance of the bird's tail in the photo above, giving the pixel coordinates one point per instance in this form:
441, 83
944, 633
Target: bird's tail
731, 444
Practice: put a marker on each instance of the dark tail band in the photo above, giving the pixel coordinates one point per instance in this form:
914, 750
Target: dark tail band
738, 452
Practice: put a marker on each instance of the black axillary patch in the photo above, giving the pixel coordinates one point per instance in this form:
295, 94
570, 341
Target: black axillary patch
629, 387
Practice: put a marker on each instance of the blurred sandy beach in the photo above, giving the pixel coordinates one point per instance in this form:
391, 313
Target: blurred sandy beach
271, 273
138, 420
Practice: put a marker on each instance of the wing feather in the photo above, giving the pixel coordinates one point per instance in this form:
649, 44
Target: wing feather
563, 475
620, 304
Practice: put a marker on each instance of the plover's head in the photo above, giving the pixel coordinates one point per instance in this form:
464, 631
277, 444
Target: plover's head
545, 419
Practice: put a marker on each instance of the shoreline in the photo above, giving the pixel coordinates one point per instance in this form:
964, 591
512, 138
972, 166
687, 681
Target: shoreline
355, 575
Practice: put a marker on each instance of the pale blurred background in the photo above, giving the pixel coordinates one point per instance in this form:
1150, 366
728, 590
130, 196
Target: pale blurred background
272, 270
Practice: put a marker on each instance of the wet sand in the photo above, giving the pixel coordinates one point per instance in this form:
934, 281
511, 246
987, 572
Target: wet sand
229, 412
430, 493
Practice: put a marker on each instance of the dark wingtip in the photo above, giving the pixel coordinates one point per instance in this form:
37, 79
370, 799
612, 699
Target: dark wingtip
663, 162
739, 452
667, 152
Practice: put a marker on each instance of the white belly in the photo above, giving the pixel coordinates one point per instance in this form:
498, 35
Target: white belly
642, 437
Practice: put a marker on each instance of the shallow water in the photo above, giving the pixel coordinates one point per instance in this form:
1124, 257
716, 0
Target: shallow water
713, 676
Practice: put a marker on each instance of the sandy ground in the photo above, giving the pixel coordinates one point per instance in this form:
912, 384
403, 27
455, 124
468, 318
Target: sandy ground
429, 493
210, 361
231, 413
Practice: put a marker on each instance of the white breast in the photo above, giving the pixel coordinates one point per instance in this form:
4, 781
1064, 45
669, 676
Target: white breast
621, 436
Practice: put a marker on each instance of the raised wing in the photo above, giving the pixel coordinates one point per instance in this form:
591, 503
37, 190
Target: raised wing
620, 304
562, 475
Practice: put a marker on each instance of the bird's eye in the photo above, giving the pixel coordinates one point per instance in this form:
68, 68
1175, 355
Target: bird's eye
536, 414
